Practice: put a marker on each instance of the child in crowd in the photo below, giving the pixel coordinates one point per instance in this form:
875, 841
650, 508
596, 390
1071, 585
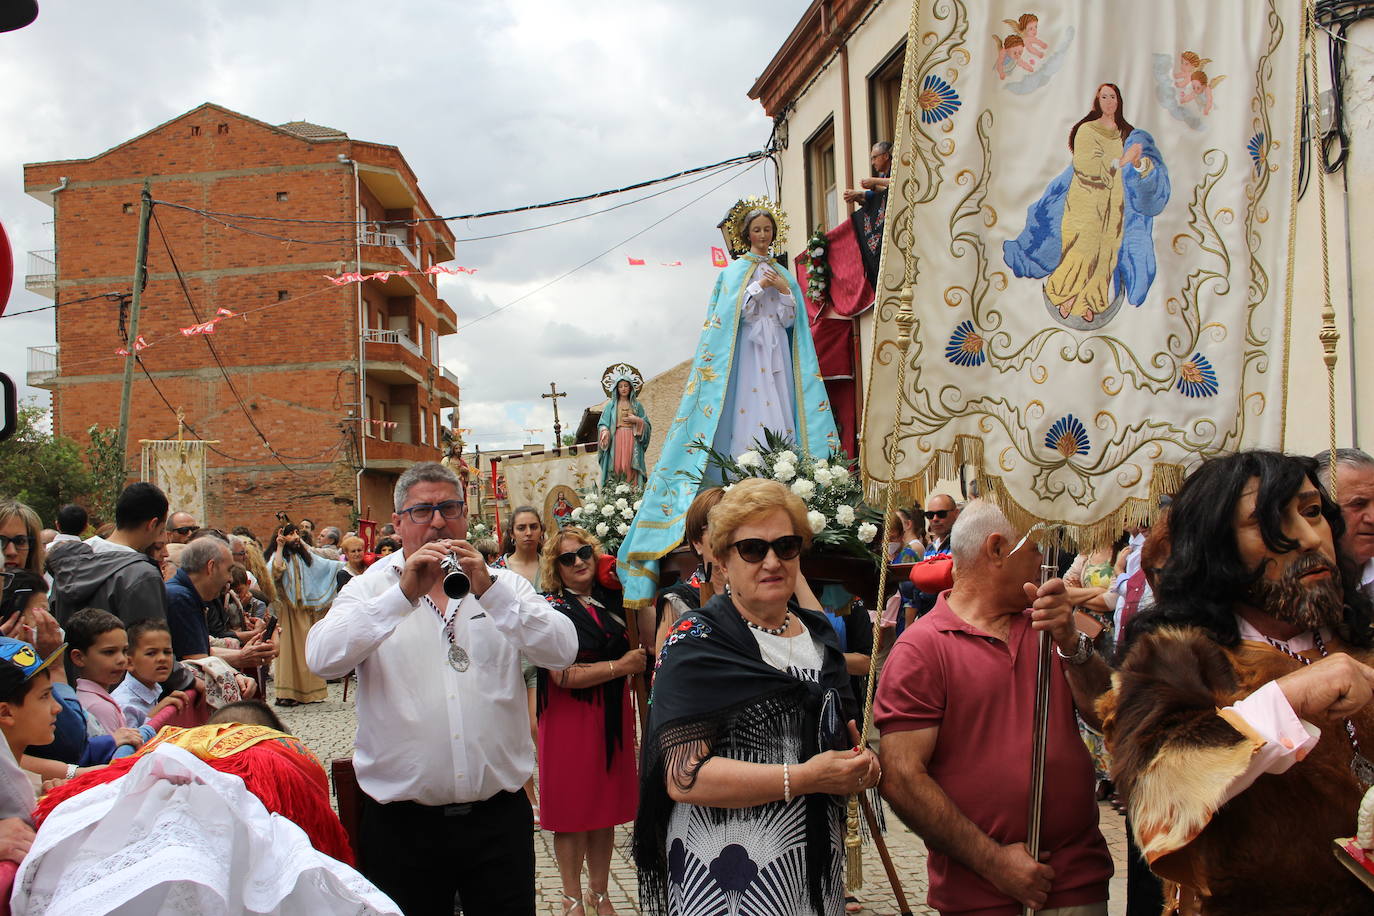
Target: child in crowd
28, 712
139, 695
97, 656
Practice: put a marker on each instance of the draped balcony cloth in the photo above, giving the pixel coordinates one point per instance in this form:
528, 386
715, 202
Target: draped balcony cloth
177, 467
1091, 319
848, 295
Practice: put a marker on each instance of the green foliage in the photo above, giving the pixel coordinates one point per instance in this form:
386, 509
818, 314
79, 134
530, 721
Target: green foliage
40, 469
105, 466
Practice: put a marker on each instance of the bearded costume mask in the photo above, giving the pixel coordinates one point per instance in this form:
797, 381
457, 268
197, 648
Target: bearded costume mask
1309, 604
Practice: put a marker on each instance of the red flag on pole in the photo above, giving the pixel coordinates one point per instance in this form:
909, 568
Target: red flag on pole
718, 257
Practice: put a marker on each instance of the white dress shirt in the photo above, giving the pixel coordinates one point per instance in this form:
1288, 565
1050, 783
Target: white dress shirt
426, 732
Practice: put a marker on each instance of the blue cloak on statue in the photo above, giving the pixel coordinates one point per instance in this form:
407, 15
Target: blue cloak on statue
673, 484
1037, 250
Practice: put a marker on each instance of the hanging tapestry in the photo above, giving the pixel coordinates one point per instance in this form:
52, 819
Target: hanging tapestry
1091, 205
530, 479
177, 467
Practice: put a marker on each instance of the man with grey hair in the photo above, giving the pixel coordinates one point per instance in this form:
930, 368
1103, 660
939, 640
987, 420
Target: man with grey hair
443, 746
956, 706
327, 542
192, 595
1354, 493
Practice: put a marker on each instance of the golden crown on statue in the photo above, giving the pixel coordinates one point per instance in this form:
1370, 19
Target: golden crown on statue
618, 373
734, 223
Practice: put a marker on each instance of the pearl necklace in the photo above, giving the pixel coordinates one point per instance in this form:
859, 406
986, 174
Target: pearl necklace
771, 631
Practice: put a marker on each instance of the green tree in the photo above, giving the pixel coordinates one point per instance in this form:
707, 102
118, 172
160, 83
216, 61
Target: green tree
106, 469
40, 469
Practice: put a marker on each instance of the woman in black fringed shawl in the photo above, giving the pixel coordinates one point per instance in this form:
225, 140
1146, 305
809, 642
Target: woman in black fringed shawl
750, 750
587, 777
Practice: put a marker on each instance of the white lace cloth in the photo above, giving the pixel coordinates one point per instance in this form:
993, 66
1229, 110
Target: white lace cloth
174, 836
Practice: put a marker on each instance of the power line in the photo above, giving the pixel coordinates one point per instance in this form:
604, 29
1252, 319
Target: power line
215, 353
734, 160
223, 220
113, 297
597, 257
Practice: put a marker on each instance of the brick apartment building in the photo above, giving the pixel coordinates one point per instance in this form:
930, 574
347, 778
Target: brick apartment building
324, 375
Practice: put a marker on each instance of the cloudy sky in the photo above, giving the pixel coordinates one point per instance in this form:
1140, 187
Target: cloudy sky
494, 103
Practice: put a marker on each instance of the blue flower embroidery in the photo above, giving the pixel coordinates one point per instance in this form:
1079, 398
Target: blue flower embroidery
1197, 378
1068, 437
937, 100
965, 347
1259, 150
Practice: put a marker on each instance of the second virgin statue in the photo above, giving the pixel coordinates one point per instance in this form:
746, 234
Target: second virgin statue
754, 370
623, 431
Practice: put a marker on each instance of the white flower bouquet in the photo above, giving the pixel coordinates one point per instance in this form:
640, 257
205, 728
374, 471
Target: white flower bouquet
840, 520
607, 512
817, 268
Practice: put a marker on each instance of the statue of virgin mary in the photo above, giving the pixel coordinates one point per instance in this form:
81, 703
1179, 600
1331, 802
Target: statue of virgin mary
755, 370
623, 431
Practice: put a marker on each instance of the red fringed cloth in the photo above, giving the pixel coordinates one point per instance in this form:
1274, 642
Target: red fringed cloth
276, 767
832, 325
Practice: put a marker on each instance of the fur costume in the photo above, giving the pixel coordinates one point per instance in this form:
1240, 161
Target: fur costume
1176, 752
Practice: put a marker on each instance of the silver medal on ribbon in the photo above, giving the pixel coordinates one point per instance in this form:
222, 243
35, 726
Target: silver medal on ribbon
458, 658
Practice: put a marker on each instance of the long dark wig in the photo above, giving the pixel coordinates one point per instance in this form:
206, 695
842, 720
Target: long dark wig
1121, 123
1204, 575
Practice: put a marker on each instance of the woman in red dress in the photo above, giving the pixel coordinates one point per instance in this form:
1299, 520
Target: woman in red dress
588, 782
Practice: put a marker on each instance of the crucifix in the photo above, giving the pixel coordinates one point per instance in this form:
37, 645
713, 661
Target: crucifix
553, 395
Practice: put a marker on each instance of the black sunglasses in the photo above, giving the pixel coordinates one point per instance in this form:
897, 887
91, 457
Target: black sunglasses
421, 515
936, 513
753, 550
20, 541
187, 529
572, 556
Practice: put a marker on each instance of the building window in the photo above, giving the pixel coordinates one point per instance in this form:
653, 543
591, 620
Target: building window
283, 295
222, 129
822, 193
283, 195
421, 341
438, 440
195, 130
368, 414
884, 96
434, 347
382, 432
424, 426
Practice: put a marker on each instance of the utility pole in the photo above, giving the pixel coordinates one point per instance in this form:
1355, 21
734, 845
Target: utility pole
140, 277
553, 395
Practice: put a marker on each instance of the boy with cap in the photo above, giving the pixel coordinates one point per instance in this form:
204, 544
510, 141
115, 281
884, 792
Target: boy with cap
28, 712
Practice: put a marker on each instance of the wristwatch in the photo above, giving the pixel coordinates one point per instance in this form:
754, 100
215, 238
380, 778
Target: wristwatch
493, 576
1081, 654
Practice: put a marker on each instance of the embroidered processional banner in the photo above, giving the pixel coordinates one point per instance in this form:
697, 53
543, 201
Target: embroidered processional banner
1092, 207
177, 467
531, 479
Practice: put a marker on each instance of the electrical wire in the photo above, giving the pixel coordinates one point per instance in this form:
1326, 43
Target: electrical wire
733, 160
223, 221
597, 257
215, 354
113, 297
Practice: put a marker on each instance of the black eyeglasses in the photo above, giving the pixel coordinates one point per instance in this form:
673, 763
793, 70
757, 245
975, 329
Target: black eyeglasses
753, 550
421, 515
936, 513
572, 556
187, 529
20, 541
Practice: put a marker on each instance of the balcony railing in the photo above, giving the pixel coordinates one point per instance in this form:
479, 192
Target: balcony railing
450, 377
42, 365
42, 273
376, 335
384, 239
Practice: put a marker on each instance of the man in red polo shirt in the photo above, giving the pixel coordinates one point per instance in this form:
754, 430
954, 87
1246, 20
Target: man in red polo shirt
955, 707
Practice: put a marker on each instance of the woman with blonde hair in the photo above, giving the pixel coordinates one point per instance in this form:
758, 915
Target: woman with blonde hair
587, 778
750, 749
19, 530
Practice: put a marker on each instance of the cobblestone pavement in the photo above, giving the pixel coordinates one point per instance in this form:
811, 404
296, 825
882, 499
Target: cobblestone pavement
328, 728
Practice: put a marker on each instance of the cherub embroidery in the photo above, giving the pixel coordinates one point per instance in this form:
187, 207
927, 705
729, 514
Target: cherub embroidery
1192, 81
1027, 28
1011, 52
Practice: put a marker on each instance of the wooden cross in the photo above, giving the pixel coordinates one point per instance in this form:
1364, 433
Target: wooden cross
553, 395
